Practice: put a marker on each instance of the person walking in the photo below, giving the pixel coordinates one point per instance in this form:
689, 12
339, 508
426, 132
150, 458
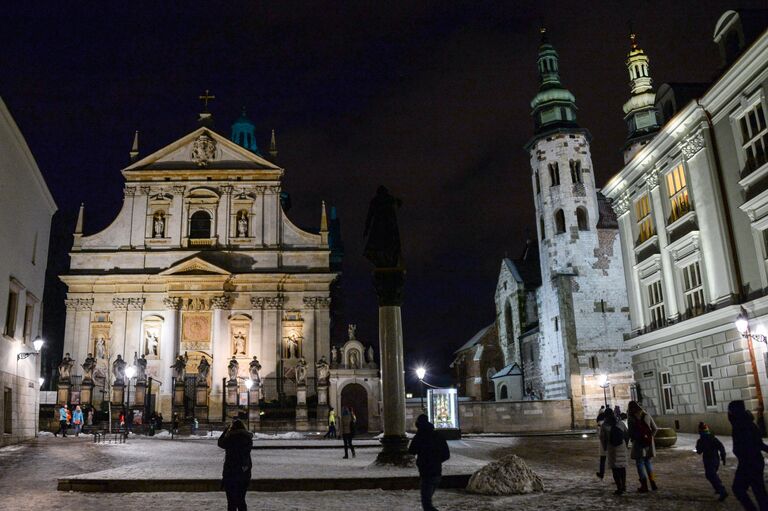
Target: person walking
712, 452
613, 439
431, 452
63, 423
77, 420
600, 418
175, 424
347, 431
237, 442
642, 429
748, 447
90, 417
331, 433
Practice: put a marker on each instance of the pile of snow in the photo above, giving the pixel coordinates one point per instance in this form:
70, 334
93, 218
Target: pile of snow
381, 435
508, 476
44, 433
291, 435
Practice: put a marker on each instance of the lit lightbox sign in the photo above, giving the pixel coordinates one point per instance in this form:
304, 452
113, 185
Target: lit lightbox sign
443, 408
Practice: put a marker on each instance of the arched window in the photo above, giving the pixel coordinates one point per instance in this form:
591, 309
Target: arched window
554, 174
559, 222
582, 219
508, 325
575, 171
200, 225
541, 227
503, 392
538, 183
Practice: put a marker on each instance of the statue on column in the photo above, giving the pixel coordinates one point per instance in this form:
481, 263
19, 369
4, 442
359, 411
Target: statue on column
141, 368
369, 358
232, 369
179, 368
65, 368
301, 372
323, 371
118, 369
351, 331
203, 368
253, 370
383, 245
88, 367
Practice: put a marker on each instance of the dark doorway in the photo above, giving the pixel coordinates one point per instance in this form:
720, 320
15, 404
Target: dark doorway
354, 396
189, 396
200, 225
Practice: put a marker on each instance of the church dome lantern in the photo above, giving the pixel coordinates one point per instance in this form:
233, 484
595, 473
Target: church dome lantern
244, 133
554, 106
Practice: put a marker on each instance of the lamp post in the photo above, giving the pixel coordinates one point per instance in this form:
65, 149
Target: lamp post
248, 385
604, 384
742, 325
130, 372
421, 373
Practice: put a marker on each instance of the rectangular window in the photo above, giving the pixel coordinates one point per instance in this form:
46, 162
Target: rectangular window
556, 369
7, 411
29, 313
754, 138
656, 310
575, 171
538, 182
643, 218
693, 290
666, 392
554, 174
10, 313
557, 326
679, 204
708, 384
593, 363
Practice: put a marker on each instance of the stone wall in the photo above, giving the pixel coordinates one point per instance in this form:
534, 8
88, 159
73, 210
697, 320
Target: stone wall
22, 410
506, 416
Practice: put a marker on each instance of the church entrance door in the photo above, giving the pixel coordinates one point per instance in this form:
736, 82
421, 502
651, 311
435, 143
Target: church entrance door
355, 396
189, 396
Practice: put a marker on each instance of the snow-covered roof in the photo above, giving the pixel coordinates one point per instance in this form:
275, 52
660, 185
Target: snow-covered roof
510, 370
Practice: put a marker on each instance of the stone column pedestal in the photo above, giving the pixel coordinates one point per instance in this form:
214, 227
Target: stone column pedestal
178, 398
302, 416
140, 394
254, 412
232, 405
118, 394
322, 406
62, 394
389, 288
201, 402
86, 392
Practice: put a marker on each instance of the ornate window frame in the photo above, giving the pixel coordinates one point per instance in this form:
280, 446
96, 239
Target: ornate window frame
747, 104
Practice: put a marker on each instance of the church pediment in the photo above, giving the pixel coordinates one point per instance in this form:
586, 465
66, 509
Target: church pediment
194, 266
203, 149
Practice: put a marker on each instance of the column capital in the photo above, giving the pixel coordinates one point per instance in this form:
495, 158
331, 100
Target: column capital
317, 302
221, 302
79, 304
692, 145
172, 303
268, 302
136, 303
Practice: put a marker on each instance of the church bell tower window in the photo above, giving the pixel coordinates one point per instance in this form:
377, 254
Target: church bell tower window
200, 225
582, 219
554, 174
559, 221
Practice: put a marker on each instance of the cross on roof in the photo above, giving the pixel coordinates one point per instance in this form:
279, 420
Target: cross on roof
205, 98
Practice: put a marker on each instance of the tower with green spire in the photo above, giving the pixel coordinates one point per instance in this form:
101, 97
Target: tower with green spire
244, 133
640, 112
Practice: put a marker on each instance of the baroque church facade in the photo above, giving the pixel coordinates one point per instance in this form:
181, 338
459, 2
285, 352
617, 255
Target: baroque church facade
202, 263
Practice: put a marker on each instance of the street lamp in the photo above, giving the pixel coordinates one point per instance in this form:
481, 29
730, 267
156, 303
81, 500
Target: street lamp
742, 325
248, 385
37, 344
130, 372
604, 384
420, 373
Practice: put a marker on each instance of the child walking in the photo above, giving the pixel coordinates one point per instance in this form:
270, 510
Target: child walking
712, 451
613, 439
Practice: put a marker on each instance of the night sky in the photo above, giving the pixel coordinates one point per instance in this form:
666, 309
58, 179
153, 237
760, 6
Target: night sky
429, 98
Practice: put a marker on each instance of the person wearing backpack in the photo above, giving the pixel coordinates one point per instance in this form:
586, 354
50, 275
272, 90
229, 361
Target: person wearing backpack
712, 452
613, 439
642, 429
431, 452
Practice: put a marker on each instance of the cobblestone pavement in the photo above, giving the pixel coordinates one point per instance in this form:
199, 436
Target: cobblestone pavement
28, 475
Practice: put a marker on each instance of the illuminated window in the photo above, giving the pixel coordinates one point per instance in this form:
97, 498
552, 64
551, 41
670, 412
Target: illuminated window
754, 138
656, 305
693, 289
644, 219
678, 193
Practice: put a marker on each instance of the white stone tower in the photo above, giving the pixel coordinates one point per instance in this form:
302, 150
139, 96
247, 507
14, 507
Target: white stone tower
582, 301
640, 111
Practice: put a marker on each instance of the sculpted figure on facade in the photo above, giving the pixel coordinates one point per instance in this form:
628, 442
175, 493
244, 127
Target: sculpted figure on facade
141, 367
118, 369
253, 370
354, 360
232, 369
352, 332
239, 342
334, 356
301, 372
151, 342
291, 347
203, 368
179, 368
101, 348
88, 367
158, 225
369, 357
65, 368
323, 371
203, 150
242, 225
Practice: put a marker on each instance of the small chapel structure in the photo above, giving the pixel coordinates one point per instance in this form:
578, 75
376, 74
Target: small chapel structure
204, 284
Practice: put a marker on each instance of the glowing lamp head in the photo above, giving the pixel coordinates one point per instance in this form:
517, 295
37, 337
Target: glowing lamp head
130, 372
602, 380
742, 323
38, 343
248, 383
41, 381
421, 372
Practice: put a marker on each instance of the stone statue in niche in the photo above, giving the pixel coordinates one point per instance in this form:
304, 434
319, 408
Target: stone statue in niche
253, 370
291, 346
382, 247
323, 371
151, 343
158, 225
354, 360
65, 368
179, 368
369, 355
334, 356
141, 368
232, 369
301, 372
239, 342
118, 369
203, 368
242, 225
88, 366
101, 348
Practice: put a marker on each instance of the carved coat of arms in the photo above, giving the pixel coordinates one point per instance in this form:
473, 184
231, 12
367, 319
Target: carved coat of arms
203, 150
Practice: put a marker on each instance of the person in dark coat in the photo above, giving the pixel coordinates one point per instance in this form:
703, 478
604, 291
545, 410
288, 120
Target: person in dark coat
748, 448
712, 451
237, 441
431, 451
642, 430
347, 431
